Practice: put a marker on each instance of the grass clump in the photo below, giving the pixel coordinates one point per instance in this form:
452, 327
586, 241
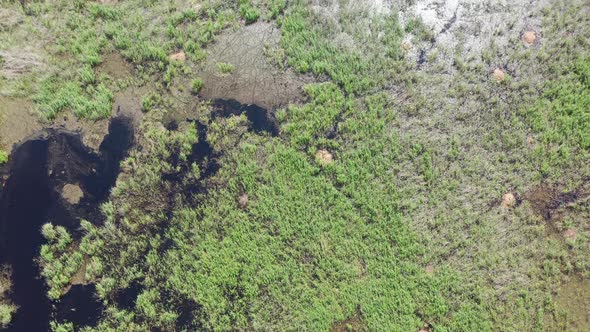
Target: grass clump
197, 85
248, 11
309, 123
150, 101
3, 157
225, 68
58, 265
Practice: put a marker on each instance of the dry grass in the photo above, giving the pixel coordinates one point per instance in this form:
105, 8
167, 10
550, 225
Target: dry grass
9, 19
17, 62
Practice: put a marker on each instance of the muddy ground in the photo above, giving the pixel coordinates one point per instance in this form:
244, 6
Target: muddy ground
255, 79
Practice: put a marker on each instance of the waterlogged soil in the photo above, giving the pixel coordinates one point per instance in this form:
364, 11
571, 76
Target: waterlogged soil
573, 301
261, 120
38, 171
115, 66
467, 28
255, 79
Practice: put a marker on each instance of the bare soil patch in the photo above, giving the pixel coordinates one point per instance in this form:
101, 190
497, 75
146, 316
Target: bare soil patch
542, 200
243, 201
92, 132
80, 277
508, 200
72, 193
499, 75
179, 56
17, 121
254, 80
127, 103
115, 66
570, 234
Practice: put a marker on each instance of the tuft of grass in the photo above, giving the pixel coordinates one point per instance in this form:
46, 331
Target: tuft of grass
196, 85
225, 68
150, 101
3, 157
248, 11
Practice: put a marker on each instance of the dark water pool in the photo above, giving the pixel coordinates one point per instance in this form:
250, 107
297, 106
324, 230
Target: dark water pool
261, 120
37, 171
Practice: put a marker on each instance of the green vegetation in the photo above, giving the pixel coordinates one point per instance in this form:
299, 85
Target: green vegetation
562, 116
84, 32
92, 102
225, 68
58, 267
150, 101
3, 157
197, 85
308, 43
380, 205
7, 309
248, 11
